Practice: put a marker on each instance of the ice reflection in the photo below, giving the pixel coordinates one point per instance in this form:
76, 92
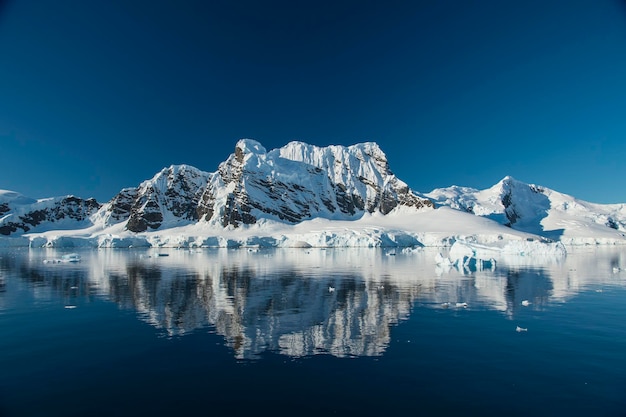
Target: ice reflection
301, 302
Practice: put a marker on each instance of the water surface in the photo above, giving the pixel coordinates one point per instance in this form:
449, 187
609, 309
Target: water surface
365, 332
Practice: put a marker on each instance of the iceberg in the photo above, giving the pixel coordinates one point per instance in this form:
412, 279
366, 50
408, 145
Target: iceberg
474, 255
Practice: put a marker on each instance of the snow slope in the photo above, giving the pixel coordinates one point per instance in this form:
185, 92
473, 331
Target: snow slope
404, 227
168, 199
539, 210
299, 182
23, 214
302, 195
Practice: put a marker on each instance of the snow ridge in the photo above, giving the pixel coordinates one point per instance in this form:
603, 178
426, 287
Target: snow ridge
303, 195
169, 199
539, 210
300, 181
20, 214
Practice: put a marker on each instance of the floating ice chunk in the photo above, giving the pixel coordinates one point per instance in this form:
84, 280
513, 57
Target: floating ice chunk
331, 289
461, 305
70, 257
616, 269
526, 303
411, 250
471, 256
520, 329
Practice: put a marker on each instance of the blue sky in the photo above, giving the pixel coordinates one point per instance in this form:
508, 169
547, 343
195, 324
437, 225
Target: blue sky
99, 95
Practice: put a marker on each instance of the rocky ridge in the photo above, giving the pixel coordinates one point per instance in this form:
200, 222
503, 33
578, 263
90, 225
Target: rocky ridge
20, 214
533, 208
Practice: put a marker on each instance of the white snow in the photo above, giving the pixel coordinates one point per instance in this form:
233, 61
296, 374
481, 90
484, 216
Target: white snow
7, 196
401, 228
540, 210
472, 221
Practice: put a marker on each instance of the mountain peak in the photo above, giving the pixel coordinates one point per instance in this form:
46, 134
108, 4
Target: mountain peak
290, 184
249, 146
301, 181
7, 196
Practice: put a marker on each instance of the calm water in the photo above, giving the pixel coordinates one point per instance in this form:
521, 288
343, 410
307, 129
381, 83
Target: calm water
310, 332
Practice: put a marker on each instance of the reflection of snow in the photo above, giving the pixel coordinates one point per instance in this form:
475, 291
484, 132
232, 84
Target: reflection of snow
307, 301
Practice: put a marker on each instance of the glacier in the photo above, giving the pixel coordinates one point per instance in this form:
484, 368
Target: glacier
539, 210
302, 195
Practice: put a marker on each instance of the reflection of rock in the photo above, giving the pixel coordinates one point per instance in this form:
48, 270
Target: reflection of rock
278, 300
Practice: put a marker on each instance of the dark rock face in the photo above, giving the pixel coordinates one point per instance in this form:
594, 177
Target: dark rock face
263, 184
290, 184
120, 207
173, 193
10, 227
28, 217
612, 223
147, 216
511, 211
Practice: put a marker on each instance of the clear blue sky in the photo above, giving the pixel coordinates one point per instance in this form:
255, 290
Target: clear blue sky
99, 95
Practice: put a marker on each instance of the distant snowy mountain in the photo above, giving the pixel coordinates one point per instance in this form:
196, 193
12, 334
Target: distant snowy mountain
20, 214
539, 210
303, 195
169, 199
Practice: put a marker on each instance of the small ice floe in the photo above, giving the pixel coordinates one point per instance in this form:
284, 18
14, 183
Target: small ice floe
331, 289
381, 287
73, 287
445, 305
616, 269
69, 307
526, 303
70, 257
521, 329
599, 290
461, 305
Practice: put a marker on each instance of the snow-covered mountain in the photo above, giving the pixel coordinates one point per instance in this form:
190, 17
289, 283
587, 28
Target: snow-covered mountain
304, 195
289, 184
539, 210
20, 214
169, 199
301, 181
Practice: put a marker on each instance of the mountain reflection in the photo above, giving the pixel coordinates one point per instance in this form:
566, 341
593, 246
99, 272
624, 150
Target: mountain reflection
299, 302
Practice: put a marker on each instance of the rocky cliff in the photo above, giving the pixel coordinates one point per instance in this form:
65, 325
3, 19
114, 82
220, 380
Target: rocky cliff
20, 214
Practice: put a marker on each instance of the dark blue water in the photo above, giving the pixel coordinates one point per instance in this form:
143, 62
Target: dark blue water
310, 332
